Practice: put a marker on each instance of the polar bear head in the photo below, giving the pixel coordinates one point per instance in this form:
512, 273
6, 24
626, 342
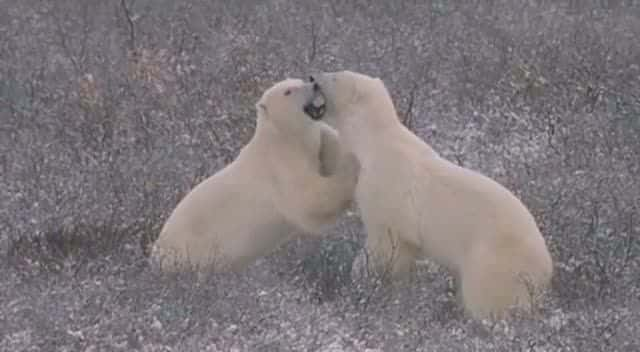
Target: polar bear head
349, 95
284, 105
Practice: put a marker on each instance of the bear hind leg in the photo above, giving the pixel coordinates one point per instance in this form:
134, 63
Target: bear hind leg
494, 291
388, 257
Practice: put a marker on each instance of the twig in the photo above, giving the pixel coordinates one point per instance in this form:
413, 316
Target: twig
314, 42
407, 118
132, 31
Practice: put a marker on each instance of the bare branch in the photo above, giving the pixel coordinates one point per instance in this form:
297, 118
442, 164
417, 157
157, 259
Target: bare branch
314, 42
132, 29
407, 116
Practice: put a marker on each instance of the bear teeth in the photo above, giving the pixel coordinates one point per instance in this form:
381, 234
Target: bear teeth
318, 101
313, 111
316, 107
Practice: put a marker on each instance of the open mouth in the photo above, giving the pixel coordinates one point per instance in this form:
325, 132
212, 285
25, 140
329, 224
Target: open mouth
317, 106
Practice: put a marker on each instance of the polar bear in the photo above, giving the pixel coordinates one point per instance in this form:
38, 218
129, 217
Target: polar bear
417, 205
292, 176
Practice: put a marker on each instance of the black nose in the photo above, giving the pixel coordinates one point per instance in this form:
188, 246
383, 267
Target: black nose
316, 87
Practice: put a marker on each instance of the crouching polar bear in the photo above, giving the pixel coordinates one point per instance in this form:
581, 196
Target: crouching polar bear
417, 205
291, 176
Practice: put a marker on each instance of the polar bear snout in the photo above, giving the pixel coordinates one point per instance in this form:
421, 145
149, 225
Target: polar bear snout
320, 81
316, 106
315, 78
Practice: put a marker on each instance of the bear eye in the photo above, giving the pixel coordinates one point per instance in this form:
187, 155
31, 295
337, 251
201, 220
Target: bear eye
287, 92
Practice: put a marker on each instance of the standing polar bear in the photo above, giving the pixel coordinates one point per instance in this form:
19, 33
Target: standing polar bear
291, 176
415, 204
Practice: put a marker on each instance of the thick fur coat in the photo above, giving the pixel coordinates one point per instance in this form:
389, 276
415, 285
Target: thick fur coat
291, 177
415, 205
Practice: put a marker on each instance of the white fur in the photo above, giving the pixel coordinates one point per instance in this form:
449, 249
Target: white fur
415, 204
291, 176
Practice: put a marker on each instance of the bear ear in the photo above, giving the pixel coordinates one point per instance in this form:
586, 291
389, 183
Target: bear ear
377, 80
262, 109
